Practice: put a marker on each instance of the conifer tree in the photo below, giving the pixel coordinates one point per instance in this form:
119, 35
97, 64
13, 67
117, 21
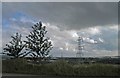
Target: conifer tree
37, 43
14, 47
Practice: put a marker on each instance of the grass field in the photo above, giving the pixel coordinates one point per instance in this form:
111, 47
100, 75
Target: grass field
59, 68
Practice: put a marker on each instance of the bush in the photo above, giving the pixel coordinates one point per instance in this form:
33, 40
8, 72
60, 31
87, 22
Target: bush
62, 68
96, 70
59, 68
13, 65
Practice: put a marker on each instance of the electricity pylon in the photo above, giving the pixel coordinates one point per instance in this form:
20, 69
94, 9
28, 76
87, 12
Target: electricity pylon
80, 47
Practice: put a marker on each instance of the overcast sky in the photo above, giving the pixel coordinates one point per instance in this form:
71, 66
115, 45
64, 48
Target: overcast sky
95, 22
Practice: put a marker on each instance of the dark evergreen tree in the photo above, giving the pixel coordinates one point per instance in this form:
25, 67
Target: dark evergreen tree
14, 47
37, 43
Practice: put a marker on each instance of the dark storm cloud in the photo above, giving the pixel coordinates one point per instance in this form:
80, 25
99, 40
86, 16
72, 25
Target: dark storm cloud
65, 14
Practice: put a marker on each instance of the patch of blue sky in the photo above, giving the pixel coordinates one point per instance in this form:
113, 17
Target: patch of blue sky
5, 23
19, 15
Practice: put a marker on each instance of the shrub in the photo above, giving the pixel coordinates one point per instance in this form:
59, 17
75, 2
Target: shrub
60, 68
13, 65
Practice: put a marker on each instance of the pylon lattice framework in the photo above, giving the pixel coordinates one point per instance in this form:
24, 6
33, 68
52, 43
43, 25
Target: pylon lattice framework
80, 47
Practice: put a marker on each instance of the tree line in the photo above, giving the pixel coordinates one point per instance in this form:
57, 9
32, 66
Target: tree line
36, 44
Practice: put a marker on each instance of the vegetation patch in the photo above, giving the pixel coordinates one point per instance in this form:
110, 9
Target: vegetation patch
59, 68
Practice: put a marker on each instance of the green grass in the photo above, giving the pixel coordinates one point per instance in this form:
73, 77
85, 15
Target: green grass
60, 68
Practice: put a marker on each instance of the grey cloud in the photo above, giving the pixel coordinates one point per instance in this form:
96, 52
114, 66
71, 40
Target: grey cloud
110, 37
67, 15
58, 53
73, 16
60, 38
